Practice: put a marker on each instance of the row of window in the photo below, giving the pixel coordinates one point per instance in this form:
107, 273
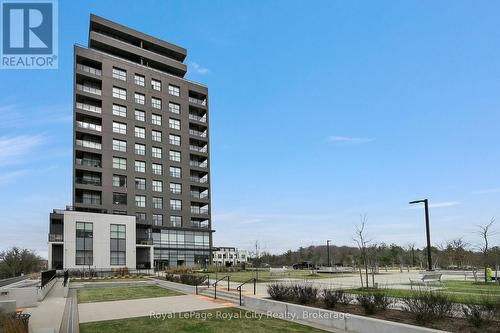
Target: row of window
121, 74
140, 132
140, 149
139, 98
140, 184
120, 163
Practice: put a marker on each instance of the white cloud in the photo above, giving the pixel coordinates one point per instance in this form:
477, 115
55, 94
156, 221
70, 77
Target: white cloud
13, 147
489, 190
198, 69
348, 139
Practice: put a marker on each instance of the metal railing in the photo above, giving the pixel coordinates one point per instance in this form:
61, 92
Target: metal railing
198, 164
216, 282
198, 133
88, 107
241, 285
89, 69
56, 238
208, 283
90, 126
88, 144
89, 89
202, 119
201, 180
198, 101
87, 162
198, 148
199, 210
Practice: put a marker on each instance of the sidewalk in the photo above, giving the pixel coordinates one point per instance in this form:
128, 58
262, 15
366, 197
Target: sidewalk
89, 312
47, 316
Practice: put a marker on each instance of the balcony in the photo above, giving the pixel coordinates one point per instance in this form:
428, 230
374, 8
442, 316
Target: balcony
198, 101
198, 164
89, 126
198, 149
88, 181
201, 180
199, 195
144, 241
89, 88
88, 144
200, 224
56, 238
198, 133
199, 210
89, 162
88, 107
202, 119
88, 69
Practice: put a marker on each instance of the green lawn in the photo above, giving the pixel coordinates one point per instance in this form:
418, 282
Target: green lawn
266, 276
466, 292
219, 322
90, 295
115, 279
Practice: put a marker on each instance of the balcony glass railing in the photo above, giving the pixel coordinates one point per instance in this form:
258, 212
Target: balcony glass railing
198, 118
89, 89
56, 237
199, 180
198, 133
89, 69
88, 107
198, 148
200, 224
198, 101
90, 126
199, 195
199, 210
88, 181
88, 144
87, 162
88, 201
198, 164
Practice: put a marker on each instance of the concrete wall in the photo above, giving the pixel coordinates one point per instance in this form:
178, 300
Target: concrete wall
7, 307
101, 238
24, 297
330, 319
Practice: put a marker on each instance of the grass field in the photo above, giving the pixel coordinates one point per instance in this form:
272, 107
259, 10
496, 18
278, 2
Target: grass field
115, 279
90, 295
265, 276
216, 321
466, 292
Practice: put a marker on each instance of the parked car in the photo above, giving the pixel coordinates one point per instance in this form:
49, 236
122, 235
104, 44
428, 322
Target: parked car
304, 265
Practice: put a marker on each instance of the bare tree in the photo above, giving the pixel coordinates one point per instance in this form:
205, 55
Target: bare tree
485, 231
361, 240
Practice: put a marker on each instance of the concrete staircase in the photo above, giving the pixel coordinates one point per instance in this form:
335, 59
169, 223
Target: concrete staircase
231, 296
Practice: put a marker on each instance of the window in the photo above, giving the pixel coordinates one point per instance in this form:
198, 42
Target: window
139, 98
139, 115
175, 155
140, 184
156, 136
175, 204
119, 110
140, 166
156, 85
156, 152
174, 90
140, 149
174, 108
156, 119
175, 172
158, 220
157, 203
174, 140
119, 145
120, 212
140, 132
119, 181
120, 163
119, 93
140, 201
140, 216
118, 247
84, 243
119, 128
119, 199
139, 80
157, 169
156, 103
174, 124
157, 186
175, 188
119, 74
176, 221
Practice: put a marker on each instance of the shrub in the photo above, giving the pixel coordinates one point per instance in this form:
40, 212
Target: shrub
428, 306
482, 314
374, 301
333, 297
304, 293
279, 291
172, 277
192, 279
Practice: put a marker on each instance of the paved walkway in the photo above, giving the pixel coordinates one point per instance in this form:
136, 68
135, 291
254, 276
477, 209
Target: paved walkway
48, 314
89, 312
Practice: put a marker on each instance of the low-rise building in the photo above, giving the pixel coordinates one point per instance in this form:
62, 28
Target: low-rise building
229, 256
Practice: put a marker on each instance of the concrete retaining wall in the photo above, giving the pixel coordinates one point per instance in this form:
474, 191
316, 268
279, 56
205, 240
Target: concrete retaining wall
330, 319
24, 297
7, 306
185, 288
42, 292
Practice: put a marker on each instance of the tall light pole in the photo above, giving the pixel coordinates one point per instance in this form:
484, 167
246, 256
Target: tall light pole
427, 230
328, 252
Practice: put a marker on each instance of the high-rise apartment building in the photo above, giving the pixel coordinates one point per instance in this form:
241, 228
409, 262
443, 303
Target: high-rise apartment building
140, 149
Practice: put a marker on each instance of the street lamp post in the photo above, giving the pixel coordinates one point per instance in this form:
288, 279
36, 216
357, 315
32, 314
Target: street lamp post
328, 252
427, 230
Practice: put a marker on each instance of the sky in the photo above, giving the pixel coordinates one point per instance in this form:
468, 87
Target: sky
319, 111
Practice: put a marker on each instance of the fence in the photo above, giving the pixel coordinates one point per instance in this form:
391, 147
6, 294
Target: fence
47, 276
